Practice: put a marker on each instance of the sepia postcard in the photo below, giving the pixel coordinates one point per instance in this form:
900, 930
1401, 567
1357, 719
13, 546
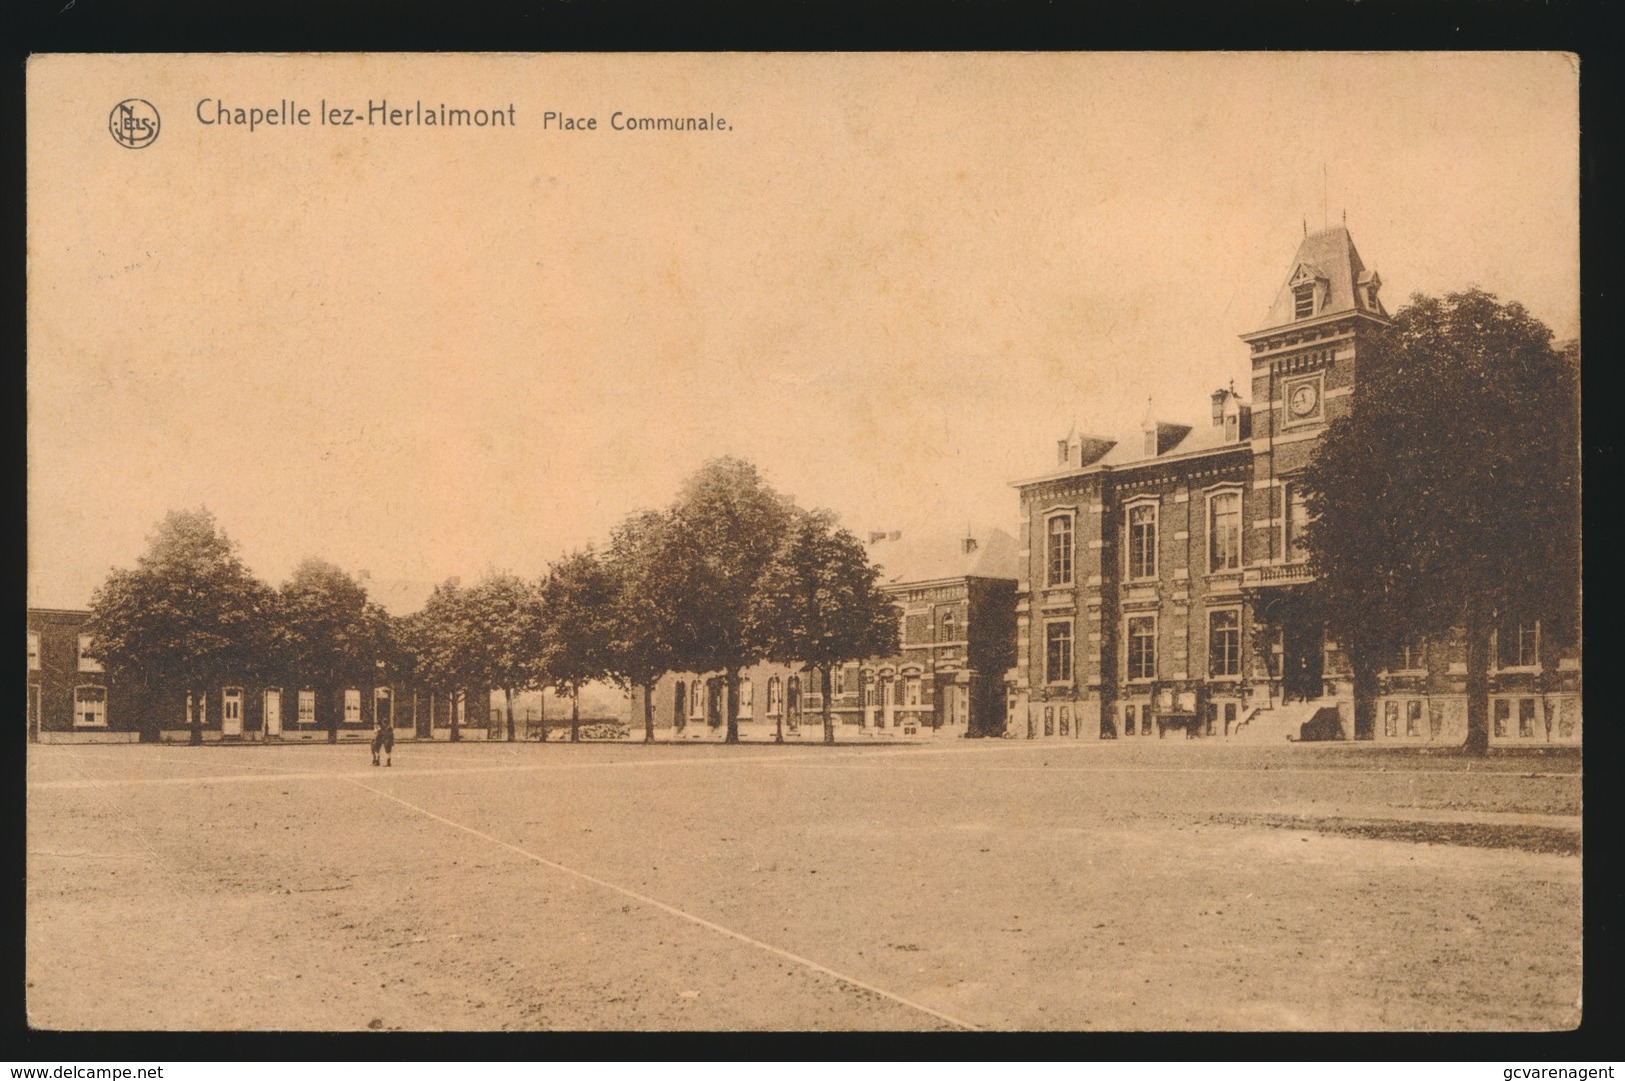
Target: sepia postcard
802, 542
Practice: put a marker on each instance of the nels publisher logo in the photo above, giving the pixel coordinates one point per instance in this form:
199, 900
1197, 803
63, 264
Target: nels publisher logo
134, 123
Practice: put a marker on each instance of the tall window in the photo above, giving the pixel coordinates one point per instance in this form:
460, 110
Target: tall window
1142, 647
33, 651
837, 681
1060, 550
1224, 531
747, 695
1224, 643
911, 690
948, 626
307, 707
1142, 541
1058, 652
1297, 521
85, 662
352, 705
1517, 644
775, 695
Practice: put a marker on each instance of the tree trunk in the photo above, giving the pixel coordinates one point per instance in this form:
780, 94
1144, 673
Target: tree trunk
333, 715
507, 698
1478, 680
542, 709
649, 712
730, 683
195, 720
784, 707
575, 713
451, 708
1364, 672
829, 719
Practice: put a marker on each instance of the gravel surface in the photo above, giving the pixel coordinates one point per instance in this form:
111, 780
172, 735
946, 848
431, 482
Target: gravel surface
989, 884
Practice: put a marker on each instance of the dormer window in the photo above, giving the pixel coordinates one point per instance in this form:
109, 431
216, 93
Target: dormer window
1151, 443
1060, 451
1232, 427
1303, 301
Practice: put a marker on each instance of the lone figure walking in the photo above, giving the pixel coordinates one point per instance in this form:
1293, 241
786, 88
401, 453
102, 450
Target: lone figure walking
383, 739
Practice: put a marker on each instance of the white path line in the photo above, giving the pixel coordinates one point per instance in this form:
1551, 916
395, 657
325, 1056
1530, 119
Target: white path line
269, 773
679, 913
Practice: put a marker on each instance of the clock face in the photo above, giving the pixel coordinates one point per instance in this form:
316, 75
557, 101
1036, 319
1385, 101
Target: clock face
1304, 399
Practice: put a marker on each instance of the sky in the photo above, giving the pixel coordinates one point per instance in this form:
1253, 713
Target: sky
890, 281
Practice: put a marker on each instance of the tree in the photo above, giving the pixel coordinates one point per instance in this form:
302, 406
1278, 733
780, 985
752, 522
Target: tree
189, 615
726, 526
436, 639
498, 628
819, 604
328, 629
577, 597
644, 613
1449, 498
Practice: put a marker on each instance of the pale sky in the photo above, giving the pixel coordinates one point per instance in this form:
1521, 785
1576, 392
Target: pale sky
892, 283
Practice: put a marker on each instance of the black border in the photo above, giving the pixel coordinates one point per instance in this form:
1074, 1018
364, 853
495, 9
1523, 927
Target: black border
1587, 28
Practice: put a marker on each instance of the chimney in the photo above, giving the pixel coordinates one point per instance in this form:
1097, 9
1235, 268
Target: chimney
969, 545
876, 536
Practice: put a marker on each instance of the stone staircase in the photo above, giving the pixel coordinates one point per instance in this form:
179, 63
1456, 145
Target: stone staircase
1273, 725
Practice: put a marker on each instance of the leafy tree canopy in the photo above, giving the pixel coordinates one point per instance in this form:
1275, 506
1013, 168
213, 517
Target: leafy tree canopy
577, 611
1454, 483
819, 602
189, 612
328, 627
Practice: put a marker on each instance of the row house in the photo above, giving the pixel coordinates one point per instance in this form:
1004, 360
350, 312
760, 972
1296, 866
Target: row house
71, 698
1163, 582
956, 606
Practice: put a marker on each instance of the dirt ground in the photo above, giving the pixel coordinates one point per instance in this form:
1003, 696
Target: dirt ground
965, 884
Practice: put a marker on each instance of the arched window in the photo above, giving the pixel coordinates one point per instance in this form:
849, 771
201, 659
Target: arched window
747, 694
1142, 541
1060, 550
1224, 531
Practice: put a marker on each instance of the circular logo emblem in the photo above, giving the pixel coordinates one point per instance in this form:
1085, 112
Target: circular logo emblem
134, 123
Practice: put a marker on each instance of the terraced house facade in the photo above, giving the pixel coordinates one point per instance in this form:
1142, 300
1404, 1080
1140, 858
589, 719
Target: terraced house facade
1162, 579
72, 699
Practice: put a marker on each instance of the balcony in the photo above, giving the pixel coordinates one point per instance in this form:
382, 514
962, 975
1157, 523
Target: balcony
1280, 574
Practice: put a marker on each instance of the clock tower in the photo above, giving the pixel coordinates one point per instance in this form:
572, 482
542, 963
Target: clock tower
1304, 362
1304, 365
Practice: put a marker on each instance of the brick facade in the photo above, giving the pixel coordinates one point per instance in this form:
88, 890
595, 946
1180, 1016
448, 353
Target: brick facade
72, 699
1161, 586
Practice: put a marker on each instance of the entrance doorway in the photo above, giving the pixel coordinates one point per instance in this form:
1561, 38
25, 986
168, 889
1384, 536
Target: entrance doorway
231, 712
273, 712
1303, 659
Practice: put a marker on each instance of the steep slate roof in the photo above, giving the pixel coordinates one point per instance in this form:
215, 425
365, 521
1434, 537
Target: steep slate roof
926, 556
1329, 254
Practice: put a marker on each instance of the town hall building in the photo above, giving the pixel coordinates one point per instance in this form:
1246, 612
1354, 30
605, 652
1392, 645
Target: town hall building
1162, 579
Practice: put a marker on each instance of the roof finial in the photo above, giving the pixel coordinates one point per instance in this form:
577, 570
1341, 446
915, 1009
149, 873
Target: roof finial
1306, 225
1345, 217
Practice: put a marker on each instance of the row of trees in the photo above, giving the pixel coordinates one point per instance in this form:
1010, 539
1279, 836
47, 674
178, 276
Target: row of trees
731, 573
